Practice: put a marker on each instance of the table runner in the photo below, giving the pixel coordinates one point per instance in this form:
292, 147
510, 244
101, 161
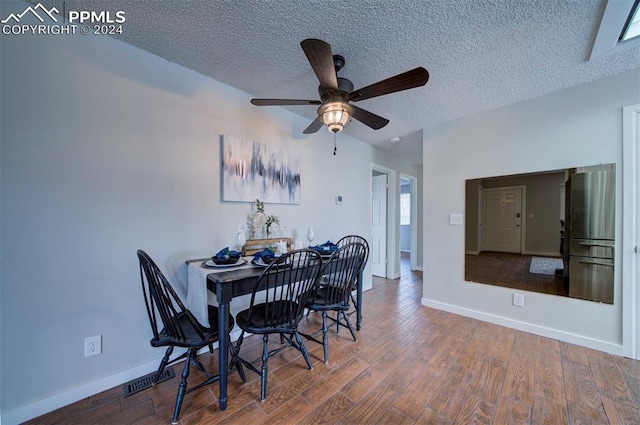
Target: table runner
197, 293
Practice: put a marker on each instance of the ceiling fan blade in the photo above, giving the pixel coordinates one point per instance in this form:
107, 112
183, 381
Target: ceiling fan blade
314, 126
283, 102
407, 80
321, 59
369, 118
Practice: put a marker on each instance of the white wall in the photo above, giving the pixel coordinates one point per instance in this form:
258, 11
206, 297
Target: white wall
578, 126
107, 149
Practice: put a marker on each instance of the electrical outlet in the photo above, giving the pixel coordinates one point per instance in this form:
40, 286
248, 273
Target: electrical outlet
518, 300
93, 345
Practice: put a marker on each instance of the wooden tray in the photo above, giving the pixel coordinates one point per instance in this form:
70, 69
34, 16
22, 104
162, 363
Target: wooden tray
256, 245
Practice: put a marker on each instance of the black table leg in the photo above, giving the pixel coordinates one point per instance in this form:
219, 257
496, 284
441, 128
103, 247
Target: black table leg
223, 345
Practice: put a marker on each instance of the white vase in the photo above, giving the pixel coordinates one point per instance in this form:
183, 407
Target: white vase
240, 238
310, 235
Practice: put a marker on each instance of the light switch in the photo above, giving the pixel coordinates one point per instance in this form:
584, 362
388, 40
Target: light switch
530, 215
455, 219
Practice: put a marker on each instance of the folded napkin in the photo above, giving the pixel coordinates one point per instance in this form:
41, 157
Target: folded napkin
266, 255
327, 246
225, 253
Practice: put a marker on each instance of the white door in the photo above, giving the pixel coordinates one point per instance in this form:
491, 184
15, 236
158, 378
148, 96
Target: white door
378, 252
503, 211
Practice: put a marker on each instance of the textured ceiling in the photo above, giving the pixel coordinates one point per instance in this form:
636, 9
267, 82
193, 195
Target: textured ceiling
481, 54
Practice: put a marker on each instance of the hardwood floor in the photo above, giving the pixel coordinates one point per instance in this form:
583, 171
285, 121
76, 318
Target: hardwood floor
511, 271
410, 365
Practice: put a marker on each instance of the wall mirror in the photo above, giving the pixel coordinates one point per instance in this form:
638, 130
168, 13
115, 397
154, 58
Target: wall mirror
550, 232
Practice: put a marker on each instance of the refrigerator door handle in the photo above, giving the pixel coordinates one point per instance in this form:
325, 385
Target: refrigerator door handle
596, 262
600, 244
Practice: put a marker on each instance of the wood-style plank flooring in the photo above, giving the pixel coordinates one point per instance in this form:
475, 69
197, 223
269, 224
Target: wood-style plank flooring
410, 365
511, 271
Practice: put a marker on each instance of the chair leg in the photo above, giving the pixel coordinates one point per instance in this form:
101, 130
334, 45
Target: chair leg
354, 300
355, 305
163, 364
265, 368
325, 340
235, 359
183, 386
196, 363
303, 349
348, 323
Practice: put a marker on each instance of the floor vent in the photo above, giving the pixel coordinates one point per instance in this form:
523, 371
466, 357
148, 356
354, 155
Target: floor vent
146, 381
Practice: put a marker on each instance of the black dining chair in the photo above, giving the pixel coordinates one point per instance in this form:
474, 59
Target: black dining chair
339, 274
347, 240
277, 305
176, 327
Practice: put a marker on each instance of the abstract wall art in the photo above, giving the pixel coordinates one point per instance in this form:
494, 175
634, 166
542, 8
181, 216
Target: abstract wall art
251, 171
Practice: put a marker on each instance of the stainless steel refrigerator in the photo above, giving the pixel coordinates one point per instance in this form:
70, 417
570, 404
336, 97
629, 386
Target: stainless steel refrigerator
591, 235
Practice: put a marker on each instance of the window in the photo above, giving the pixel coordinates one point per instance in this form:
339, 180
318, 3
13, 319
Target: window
405, 209
632, 26
618, 29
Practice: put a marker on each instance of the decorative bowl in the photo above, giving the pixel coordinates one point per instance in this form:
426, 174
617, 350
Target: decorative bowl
222, 261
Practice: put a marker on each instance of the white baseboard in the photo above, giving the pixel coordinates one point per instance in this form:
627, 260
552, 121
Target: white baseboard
472, 252
56, 401
571, 338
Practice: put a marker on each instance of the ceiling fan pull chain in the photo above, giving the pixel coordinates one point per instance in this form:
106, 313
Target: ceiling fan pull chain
334, 144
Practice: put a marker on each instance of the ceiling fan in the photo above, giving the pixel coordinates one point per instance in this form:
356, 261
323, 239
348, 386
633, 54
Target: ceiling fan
335, 110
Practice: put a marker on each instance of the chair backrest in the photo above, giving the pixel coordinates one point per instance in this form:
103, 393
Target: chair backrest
285, 286
161, 300
340, 273
345, 240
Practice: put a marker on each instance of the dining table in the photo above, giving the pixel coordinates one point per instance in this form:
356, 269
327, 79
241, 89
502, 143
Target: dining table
228, 282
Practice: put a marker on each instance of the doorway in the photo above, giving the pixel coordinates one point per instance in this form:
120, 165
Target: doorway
408, 223
379, 185
383, 249
503, 217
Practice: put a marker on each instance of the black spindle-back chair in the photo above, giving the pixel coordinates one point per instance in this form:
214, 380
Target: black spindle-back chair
173, 325
339, 276
277, 305
345, 240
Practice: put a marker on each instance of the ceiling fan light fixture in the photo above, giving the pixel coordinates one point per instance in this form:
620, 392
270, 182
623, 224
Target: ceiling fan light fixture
336, 115
336, 93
